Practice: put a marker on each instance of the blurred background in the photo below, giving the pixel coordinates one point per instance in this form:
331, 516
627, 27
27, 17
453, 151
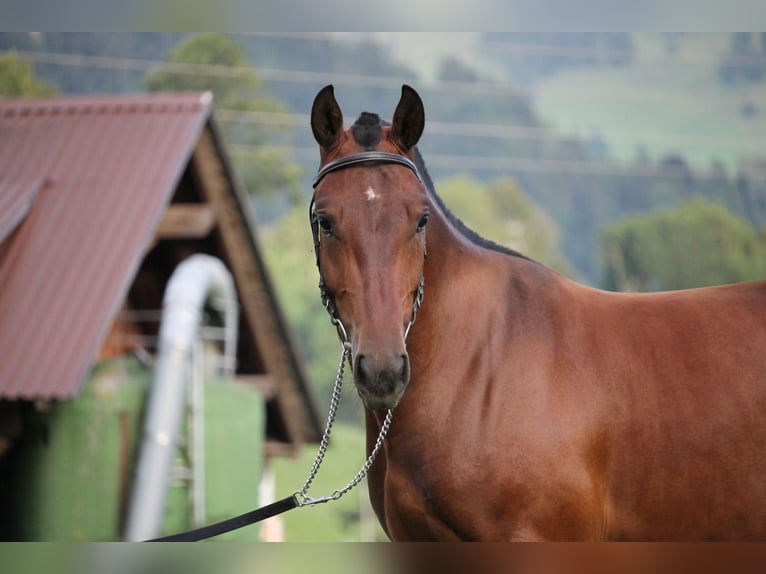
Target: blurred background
627, 161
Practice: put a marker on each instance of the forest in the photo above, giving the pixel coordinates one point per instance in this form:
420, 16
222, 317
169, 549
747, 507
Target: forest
537, 141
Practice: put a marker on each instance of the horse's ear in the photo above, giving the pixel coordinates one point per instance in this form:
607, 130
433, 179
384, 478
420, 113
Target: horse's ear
326, 118
409, 119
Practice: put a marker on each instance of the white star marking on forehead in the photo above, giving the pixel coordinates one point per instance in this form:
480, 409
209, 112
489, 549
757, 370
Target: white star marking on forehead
371, 194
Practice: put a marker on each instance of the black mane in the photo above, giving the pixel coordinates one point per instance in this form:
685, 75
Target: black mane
466, 231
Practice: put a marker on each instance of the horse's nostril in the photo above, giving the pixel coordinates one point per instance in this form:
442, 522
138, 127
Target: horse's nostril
360, 373
404, 372
381, 379
382, 372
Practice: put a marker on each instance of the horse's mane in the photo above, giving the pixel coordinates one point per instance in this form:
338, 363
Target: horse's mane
367, 133
466, 231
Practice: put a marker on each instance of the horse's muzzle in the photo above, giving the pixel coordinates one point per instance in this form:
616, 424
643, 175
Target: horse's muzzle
381, 381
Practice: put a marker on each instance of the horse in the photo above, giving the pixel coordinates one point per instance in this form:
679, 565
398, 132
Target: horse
528, 406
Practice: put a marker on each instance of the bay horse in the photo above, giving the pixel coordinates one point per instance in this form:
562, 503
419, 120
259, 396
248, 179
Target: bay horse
528, 406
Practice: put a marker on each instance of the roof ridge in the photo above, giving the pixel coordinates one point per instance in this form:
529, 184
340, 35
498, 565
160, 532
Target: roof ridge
114, 103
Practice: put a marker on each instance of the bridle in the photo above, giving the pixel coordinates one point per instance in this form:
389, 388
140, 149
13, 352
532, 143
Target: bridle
365, 157
362, 158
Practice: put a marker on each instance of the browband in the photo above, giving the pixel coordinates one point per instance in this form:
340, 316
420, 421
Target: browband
365, 157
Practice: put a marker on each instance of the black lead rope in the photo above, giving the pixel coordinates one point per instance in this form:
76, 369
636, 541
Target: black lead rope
234, 523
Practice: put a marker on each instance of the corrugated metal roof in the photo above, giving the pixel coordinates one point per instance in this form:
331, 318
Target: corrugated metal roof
16, 200
98, 173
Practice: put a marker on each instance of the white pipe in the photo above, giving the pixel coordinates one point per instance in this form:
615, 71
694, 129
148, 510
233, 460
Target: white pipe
196, 404
196, 280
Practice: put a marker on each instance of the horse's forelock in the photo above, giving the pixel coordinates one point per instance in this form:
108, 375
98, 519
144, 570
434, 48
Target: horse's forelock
367, 130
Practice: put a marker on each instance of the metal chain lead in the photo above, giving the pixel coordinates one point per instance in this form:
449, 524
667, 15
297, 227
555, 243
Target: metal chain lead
302, 495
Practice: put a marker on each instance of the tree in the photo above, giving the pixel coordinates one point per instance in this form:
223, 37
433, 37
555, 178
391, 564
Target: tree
695, 244
212, 62
745, 62
502, 212
453, 70
17, 78
215, 62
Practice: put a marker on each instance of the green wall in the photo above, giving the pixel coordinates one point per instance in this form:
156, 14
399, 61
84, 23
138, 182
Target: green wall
69, 475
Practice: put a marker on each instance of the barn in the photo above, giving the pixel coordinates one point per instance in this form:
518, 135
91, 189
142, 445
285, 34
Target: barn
107, 204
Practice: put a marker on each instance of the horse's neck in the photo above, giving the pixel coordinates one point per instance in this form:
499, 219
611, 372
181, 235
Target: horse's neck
474, 295
471, 293
468, 288
462, 274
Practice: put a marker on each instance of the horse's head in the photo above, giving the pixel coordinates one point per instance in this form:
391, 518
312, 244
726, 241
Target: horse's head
369, 217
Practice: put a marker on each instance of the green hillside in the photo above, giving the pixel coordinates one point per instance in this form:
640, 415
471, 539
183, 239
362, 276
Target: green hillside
666, 102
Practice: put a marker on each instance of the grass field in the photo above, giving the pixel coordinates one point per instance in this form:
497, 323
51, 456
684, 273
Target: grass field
337, 520
667, 103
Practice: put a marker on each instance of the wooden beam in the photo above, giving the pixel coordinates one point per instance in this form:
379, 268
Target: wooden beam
11, 425
273, 449
265, 384
186, 221
241, 255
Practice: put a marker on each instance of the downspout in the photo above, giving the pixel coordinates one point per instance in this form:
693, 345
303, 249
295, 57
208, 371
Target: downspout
198, 279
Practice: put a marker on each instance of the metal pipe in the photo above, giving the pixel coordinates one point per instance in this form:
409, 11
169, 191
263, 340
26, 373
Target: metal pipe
195, 281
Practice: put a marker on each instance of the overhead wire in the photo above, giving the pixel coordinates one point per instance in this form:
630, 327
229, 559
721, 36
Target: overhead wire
507, 165
436, 128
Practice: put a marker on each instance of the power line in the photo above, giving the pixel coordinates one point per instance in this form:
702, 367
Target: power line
309, 155
338, 78
607, 53
511, 132
531, 49
270, 74
277, 118
437, 128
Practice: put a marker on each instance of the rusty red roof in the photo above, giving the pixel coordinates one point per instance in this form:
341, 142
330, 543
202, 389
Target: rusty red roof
84, 182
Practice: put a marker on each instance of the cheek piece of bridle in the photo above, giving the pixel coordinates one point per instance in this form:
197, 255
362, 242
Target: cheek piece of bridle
301, 497
368, 157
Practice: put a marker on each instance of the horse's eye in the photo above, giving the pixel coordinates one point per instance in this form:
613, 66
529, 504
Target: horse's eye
422, 222
326, 225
